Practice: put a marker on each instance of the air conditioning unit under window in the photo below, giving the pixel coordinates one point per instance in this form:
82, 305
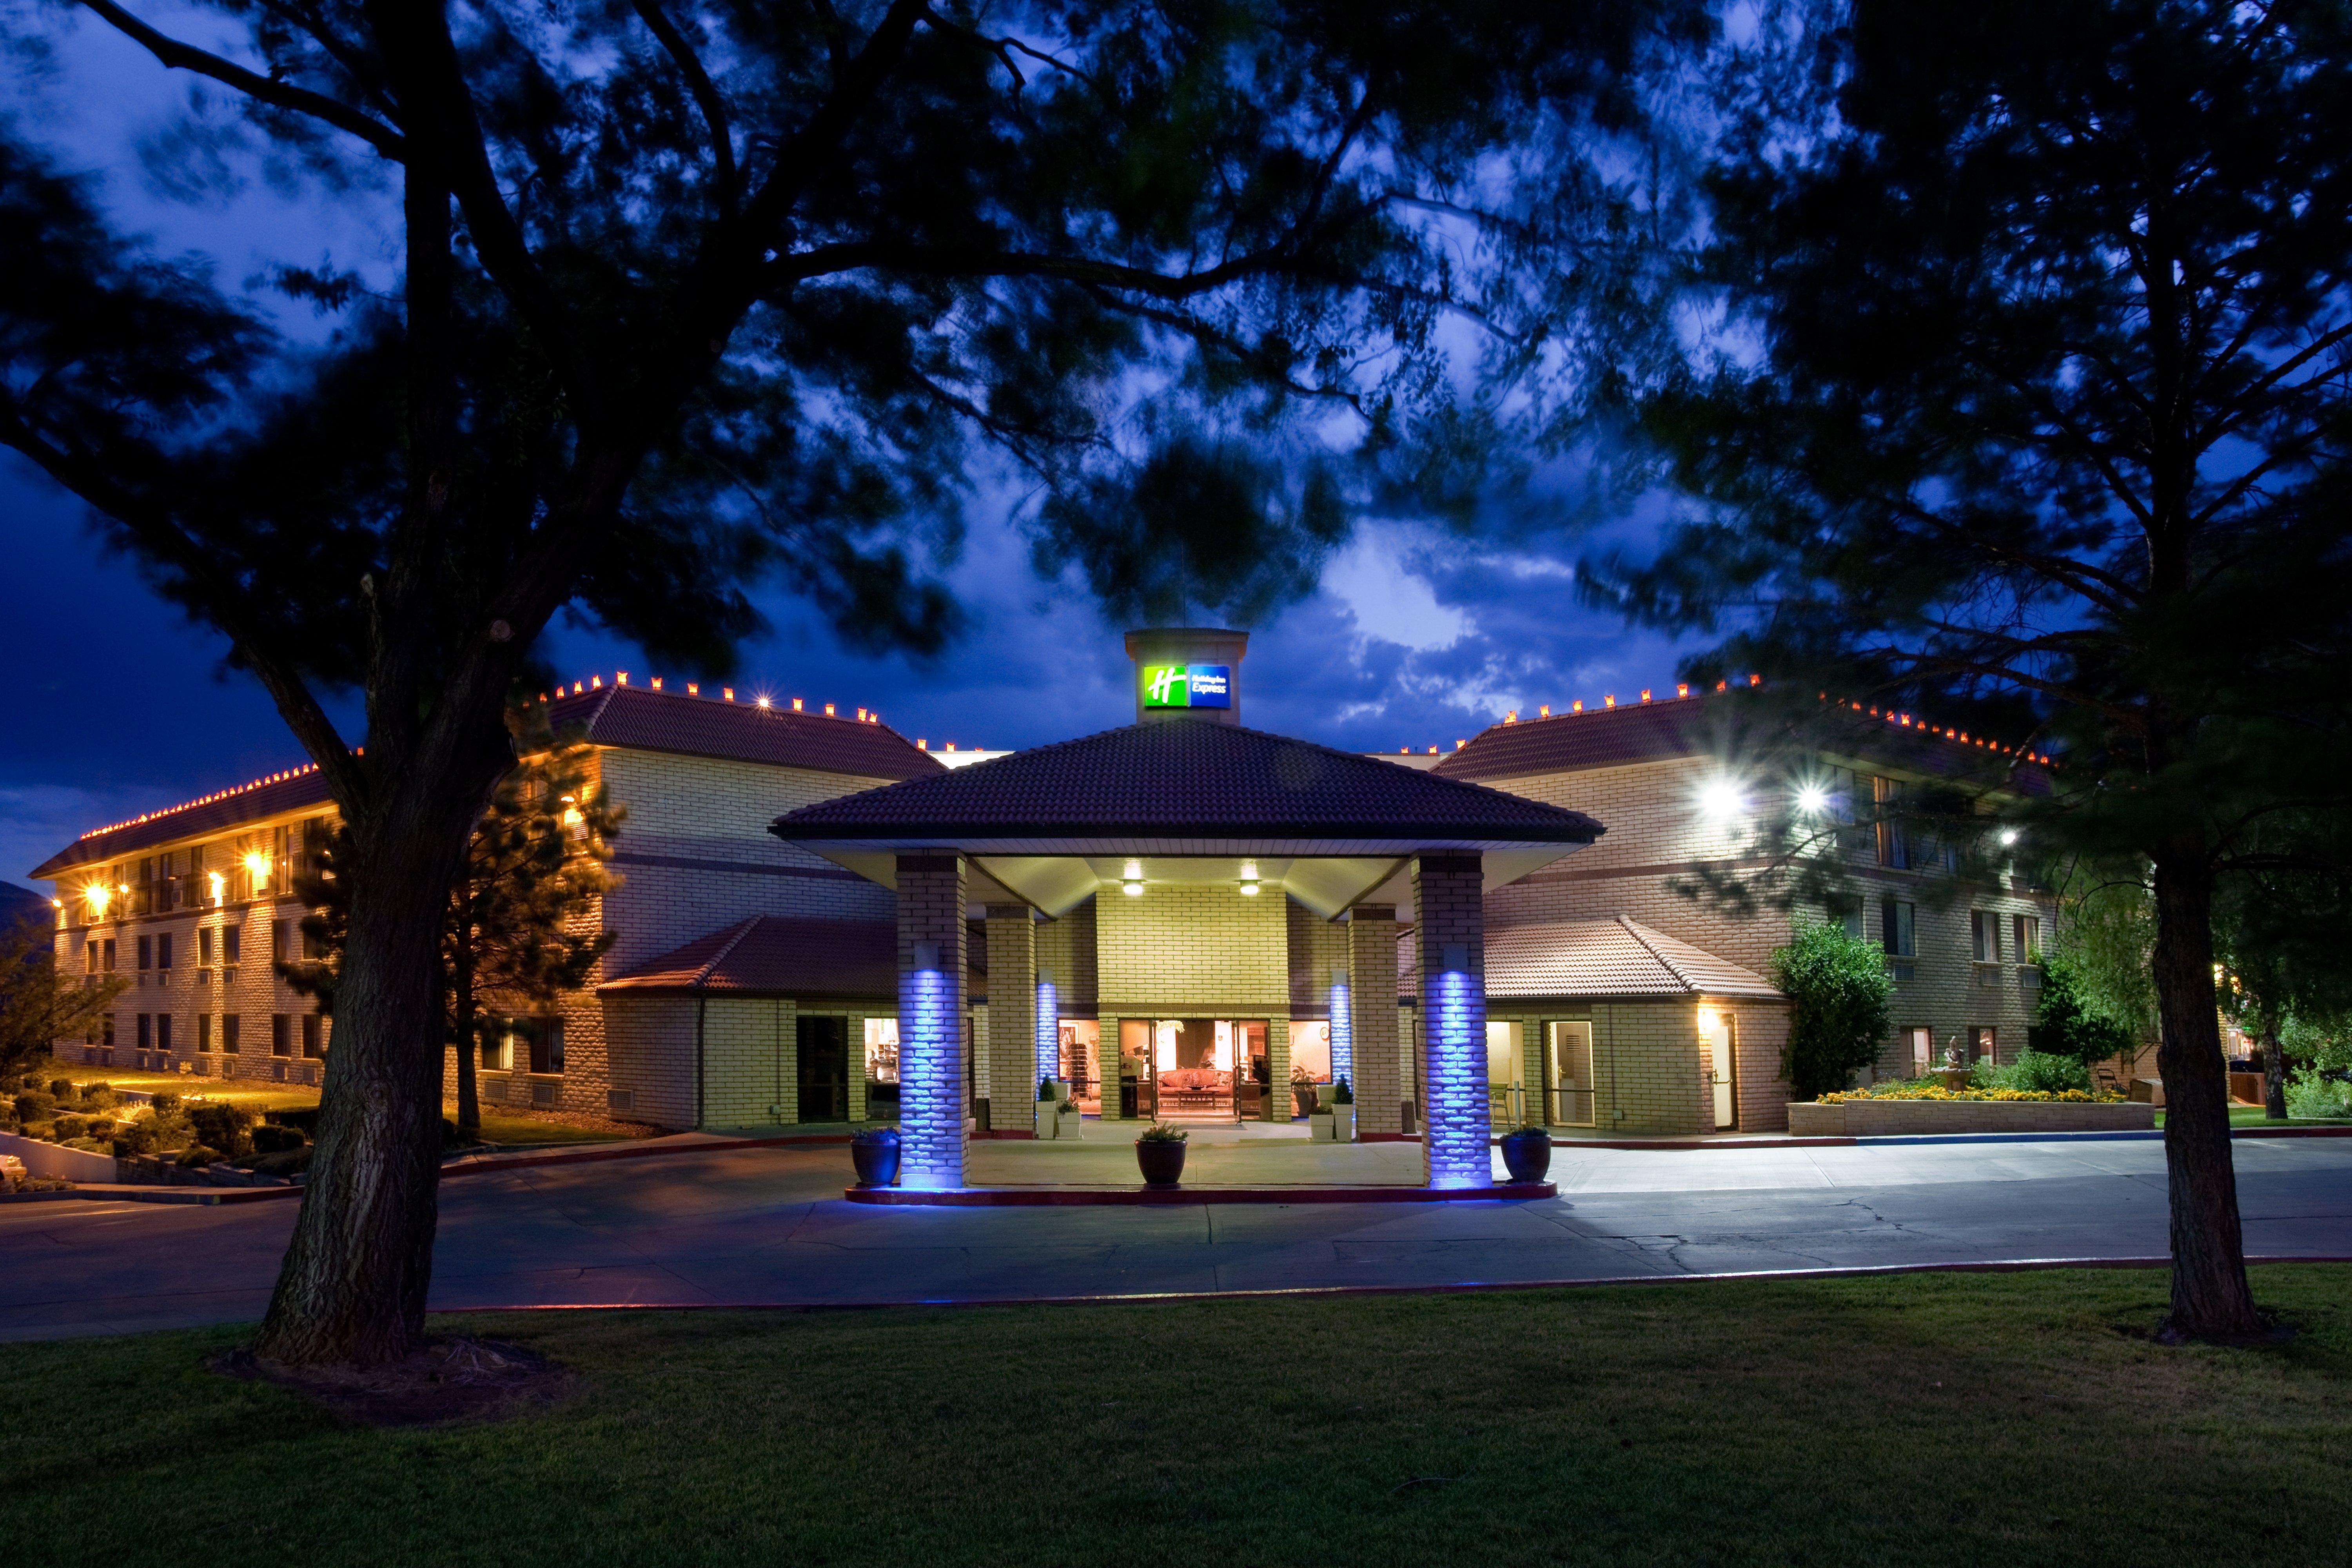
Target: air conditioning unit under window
543, 1095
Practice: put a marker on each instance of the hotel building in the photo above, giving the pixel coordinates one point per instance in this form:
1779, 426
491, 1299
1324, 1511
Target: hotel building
818, 921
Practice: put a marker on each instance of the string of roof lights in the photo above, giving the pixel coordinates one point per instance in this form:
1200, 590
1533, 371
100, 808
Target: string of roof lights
761, 699
1682, 692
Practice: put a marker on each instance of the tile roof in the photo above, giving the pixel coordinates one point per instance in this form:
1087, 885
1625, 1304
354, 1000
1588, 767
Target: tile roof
1189, 780
624, 716
1716, 725
641, 720
778, 955
1619, 957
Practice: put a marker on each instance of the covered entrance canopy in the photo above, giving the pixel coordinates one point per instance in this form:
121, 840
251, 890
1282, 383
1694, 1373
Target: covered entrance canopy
1185, 816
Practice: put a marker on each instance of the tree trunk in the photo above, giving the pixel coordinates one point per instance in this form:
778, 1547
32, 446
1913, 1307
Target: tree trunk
2210, 1294
2273, 1072
352, 1286
470, 1106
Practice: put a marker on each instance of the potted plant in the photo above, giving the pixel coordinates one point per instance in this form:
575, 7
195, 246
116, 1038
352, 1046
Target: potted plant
1159, 1154
875, 1152
1318, 1121
1343, 1111
1527, 1153
1049, 1109
1071, 1126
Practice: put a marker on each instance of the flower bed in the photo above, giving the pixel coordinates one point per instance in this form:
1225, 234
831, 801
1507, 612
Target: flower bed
1916, 1090
1855, 1115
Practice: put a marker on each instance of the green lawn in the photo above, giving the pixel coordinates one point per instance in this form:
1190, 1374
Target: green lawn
2252, 1116
253, 1094
2009, 1419
512, 1132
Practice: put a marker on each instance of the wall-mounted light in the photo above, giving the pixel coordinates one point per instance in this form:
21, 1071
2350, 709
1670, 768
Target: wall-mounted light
1812, 800
1130, 880
256, 866
2008, 836
1721, 800
1249, 879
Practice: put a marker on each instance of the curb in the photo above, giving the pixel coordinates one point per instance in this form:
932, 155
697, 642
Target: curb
1061, 1197
2009, 1265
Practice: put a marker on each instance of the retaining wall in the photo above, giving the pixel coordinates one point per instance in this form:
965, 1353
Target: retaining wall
1896, 1118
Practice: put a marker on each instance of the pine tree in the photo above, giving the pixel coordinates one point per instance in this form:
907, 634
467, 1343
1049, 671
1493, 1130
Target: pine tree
535, 870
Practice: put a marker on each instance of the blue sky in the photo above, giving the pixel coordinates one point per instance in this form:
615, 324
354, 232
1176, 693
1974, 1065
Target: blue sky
117, 705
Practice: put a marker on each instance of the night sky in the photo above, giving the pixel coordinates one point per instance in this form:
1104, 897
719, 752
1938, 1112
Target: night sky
116, 705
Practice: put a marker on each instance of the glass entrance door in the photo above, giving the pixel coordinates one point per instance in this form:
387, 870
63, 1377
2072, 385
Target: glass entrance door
1716, 1052
1568, 1052
824, 1053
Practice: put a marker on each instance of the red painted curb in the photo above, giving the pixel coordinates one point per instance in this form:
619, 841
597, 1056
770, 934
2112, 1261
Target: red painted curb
2013, 1265
1058, 1197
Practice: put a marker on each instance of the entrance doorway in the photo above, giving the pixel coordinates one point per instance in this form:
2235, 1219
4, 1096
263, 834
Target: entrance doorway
823, 1052
1200, 1068
1716, 1048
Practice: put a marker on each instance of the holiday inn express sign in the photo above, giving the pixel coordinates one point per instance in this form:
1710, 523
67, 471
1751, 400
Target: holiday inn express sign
1187, 685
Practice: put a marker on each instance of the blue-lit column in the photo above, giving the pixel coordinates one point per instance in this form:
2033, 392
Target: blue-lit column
1049, 1028
1450, 937
930, 1020
1343, 1028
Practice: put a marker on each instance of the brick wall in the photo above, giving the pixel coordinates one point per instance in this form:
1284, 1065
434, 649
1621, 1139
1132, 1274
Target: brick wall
1383, 1079
1654, 827
1011, 1081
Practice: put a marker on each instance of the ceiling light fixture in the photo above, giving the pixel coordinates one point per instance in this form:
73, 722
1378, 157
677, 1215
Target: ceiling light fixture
1132, 879
1249, 879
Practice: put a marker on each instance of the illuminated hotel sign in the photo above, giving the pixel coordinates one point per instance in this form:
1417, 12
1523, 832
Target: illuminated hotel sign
1188, 685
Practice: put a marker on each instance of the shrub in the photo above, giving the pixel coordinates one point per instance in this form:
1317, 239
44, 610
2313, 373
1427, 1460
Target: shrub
1161, 1133
197, 1154
285, 1163
223, 1127
102, 1126
35, 1106
305, 1117
2043, 1072
271, 1139
136, 1138
165, 1102
1840, 1006
89, 1145
2308, 1094
1342, 1094
99, 1097
70, 1127
61, 1089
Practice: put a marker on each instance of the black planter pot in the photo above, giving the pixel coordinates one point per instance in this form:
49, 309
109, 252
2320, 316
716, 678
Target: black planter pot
1160, 1161
1527, 1154
875, 1155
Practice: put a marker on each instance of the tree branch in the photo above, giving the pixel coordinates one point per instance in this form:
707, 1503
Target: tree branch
177, 56
706, 94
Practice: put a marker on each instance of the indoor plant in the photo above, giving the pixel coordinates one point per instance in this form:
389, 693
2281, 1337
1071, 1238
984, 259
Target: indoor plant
875, 1152
1527, 1153
1159, 1154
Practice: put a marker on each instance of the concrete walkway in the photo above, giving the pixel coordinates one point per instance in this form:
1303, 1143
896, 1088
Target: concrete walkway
770, 1225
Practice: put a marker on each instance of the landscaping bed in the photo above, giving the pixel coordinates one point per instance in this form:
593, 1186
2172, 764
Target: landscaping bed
1918, 1419
1856, 1116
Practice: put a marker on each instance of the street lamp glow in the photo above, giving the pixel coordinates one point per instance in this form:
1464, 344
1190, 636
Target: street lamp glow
1812, 800
2008, 836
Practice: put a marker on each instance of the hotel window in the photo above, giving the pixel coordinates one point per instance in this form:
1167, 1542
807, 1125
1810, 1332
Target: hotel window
146, 1031
1847, 913
108, 964
232, 946
108, 1032
232, 1025
162, 1031
90, 947
203, 1031
498, 1048
2025, 937
312, 1026
1983, 1043
146, 953
313, 944
163, 951
281, 1034
204, 947
1894, 845
1899, 934
1919, 1046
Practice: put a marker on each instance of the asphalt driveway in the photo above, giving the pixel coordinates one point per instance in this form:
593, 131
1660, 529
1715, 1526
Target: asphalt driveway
769, 1225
